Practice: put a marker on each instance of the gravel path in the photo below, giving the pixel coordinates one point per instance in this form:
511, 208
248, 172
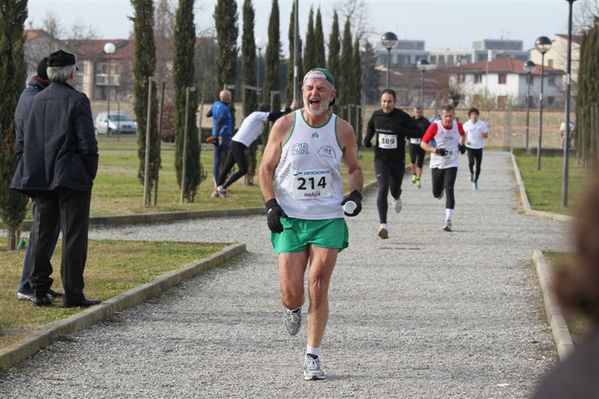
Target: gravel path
425, 314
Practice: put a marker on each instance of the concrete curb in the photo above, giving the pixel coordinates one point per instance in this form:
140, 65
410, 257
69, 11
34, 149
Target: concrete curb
559, 327
53, 331
526, 203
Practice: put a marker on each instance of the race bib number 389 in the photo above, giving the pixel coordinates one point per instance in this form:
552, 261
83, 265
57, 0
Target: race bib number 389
388, 141
311, 184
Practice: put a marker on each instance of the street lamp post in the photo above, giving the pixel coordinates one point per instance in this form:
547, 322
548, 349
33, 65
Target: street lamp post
529, 67
543, 45
568, 87
109, 49
422, 66
389, 40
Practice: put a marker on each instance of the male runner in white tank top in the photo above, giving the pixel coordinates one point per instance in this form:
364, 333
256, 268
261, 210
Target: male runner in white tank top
301, 183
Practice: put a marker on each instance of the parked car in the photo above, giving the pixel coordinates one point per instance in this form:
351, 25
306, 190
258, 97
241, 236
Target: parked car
116, 123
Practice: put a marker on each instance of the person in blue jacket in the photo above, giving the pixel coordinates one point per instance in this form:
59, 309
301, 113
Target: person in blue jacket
222, 131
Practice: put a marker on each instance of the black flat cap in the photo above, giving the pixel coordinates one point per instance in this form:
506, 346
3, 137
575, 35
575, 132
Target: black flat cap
61, 58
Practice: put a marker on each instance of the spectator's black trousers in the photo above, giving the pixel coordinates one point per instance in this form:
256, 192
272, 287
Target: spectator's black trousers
69, 209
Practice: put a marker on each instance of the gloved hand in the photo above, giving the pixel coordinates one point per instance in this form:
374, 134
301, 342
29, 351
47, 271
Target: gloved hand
273, 216
462, 148
352, 203
367, 143
441, 151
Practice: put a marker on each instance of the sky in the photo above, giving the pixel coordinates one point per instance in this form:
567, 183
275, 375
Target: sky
442, 24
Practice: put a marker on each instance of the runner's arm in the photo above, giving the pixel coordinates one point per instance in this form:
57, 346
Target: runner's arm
272, 155
430, 134
347, 139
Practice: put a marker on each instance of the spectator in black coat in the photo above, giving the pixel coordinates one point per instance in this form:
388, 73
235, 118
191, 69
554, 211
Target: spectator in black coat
38, 83
57, 157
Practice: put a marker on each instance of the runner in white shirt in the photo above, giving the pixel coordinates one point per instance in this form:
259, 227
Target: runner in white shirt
444, 139
476, 133
250, 129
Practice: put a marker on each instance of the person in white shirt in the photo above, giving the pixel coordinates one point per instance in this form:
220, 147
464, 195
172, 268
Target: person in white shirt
476, 133
250, 129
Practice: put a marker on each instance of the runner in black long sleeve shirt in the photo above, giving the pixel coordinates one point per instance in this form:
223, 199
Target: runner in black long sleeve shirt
391, 126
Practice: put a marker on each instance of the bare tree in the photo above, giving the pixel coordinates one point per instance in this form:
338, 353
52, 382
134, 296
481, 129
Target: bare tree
81, 31
52, 24
357, 12
585, 13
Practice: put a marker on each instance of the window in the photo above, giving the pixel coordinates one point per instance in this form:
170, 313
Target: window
550, 100
550, 63
551, 81
502, 78
478, 78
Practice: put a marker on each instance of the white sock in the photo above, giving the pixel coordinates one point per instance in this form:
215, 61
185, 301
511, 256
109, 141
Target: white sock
383, 226
448, 214
312, 351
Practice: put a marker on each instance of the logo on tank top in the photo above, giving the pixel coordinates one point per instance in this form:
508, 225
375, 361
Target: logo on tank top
315, 135
327, 152
300, 149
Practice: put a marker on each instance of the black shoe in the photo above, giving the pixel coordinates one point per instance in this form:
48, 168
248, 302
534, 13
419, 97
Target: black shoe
86, 303
55, 294
42, 301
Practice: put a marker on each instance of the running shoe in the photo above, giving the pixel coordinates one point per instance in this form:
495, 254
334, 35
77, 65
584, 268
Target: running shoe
221, 192
447, 226
383, 232
418, 183
293, 320
475, 185
397, 205
414, 179
312, 370
214, 194
25, 296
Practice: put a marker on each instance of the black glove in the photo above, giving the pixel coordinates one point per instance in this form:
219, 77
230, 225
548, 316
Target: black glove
462, 148
273, 216
441, 151
353, 197
367, 143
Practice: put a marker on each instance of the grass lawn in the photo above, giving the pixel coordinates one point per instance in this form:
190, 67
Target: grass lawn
113, 267
118, 191
544, 187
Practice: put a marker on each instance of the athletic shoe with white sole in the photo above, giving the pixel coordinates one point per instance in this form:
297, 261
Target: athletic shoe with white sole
414, 178
312, 370
397, 205
418, 183
383, 232
25, 296
221, 192
447, 226
293, 320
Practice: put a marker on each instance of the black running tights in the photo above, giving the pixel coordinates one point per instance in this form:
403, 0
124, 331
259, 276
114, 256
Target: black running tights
237, 155
475, 157
389, 174
444, 179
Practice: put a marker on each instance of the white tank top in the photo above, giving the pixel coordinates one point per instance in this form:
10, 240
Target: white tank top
448, 139
307, 180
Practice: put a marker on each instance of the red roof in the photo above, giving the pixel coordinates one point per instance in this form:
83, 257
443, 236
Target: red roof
502, 65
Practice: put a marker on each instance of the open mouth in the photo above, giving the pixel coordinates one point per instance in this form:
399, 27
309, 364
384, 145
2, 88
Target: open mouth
315, 102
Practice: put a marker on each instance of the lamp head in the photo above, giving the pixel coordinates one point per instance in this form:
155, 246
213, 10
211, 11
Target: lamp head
422, 64
389, 40
529, 66
543, 44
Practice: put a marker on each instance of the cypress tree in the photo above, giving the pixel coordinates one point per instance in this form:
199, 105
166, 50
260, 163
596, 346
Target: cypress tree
289, 87
309, 56
273, 52
334, 47
225, 18
183, 77
248, 76
357, 90
144, 66
319, 53
370, 76
12, 67
345, 78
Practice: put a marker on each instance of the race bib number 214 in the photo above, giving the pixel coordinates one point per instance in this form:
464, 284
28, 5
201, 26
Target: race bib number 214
311, 184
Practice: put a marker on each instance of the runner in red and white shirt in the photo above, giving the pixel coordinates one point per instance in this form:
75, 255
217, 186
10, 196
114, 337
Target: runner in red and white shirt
444, 139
